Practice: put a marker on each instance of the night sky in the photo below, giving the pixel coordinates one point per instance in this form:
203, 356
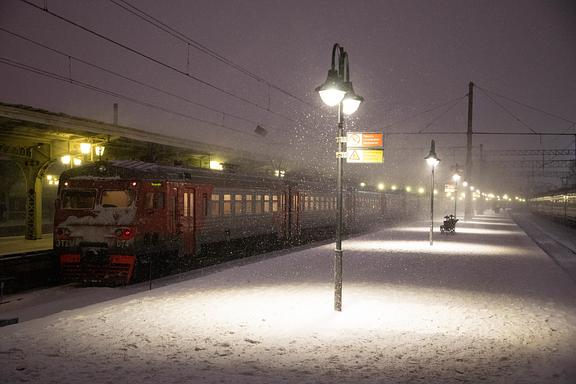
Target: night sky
406, 58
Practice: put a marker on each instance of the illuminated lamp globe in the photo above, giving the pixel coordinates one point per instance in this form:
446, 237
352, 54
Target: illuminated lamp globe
331, 91
351, 100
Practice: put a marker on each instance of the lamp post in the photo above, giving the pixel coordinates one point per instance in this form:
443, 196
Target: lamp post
456, 179
433, 161
337, 90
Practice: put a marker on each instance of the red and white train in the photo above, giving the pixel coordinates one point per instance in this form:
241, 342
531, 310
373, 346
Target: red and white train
112, 218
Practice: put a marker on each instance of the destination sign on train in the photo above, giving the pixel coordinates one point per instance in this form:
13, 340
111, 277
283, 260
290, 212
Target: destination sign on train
364, 139
364, 156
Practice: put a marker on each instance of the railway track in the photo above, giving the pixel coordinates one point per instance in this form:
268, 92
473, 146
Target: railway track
28, 270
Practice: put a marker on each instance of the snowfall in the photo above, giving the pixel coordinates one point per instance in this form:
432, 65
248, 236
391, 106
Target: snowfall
486, 305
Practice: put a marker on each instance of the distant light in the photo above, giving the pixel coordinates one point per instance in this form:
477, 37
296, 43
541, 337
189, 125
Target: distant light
85, 148
456, 177
435, 191
50, 177
505, 197
471, 187
133, 183
279, 173
394, 187
66, 159
216, 165
421, 190
362, 184
408, 188
465, 183
381, 187
77, 162
99, 150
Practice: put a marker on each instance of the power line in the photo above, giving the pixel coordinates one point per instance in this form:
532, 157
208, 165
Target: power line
528, 106
424, 112
442, 114
136, 52
126, 77
111, 93
201, 47
507, 111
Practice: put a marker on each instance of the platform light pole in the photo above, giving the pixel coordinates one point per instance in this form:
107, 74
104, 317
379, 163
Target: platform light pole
433, 161
337, 91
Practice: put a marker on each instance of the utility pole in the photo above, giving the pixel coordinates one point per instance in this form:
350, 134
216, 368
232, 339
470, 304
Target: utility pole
468, 176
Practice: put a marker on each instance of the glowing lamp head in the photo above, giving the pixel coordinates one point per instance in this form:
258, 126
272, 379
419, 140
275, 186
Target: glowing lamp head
432, 159
216, 165
66, 159
351, 100
331, 92
456, 177
85, 148
99, 149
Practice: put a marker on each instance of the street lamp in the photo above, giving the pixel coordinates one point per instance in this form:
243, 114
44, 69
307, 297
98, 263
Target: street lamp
456, 178
337, 90
433, 161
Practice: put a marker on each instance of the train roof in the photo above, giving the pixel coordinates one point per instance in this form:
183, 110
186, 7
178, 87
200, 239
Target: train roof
139, 170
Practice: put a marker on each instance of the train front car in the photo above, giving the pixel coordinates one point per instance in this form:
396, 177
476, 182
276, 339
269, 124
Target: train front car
95, 226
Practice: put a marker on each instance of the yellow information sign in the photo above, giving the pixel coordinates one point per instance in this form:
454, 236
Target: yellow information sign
365, 156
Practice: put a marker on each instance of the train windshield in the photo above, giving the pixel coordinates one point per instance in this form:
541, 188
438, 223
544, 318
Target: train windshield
78, 199
117, 198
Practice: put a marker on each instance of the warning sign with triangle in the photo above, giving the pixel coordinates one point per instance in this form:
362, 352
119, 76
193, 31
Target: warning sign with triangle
354, 156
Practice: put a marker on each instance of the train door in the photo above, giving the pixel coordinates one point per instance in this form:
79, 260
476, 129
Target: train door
294, 214
187, 222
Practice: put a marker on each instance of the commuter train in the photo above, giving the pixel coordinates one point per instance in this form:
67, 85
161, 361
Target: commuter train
115, 220
560, 204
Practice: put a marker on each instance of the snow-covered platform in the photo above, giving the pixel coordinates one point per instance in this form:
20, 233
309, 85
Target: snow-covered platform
486, 305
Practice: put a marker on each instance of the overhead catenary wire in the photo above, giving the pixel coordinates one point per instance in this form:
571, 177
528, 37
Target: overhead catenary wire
128, 7
65, 79
441, 105
156, 61
507, 111
442, 115
70, 57
527, 106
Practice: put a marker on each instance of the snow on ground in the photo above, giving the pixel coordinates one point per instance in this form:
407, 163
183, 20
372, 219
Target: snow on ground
485, 305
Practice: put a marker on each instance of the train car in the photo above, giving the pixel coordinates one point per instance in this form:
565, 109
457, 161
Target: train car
116, 219
559, 204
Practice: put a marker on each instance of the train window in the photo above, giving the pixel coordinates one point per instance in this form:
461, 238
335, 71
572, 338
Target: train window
227, 205
258, 204
266, 203
215, 205
275, 203
237, 204
78, 199
185, 204
249, 205
154, 200
118, 198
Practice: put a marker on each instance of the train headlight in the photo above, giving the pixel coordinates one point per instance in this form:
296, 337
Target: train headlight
63, 233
